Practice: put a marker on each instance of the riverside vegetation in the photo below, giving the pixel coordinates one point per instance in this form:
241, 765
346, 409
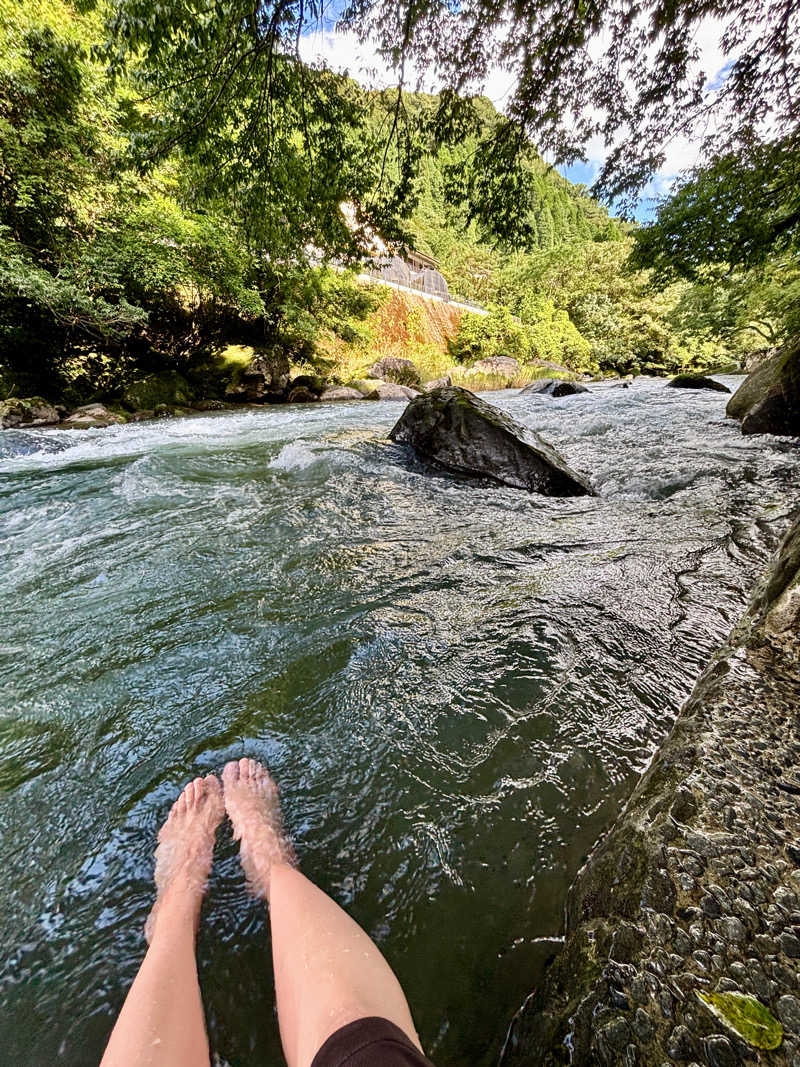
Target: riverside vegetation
145, 271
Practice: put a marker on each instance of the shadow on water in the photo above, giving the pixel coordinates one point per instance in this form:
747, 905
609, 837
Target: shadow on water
455, 685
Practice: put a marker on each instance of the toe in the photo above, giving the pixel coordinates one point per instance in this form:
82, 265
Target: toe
230, 774
244, 767
198, 790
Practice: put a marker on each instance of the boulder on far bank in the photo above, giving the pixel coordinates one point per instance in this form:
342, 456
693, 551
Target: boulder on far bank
496, 366
148, 392
301, 394
265, 378
463, 433
395, 369
341, 392
768, 401
90, 417
23, 412
553, 387
390, 391
696, 381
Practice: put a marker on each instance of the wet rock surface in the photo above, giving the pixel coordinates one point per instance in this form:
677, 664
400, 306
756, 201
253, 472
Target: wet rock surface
696, 381
462, 432
696, 889
768, 401
553, 387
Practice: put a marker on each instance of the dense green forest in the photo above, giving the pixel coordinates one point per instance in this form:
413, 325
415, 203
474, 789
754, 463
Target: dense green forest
125, 250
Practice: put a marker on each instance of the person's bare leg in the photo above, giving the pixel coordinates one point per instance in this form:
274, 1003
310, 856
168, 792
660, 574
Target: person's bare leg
328, 972
161, 1023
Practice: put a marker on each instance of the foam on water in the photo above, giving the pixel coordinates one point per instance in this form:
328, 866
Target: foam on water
455, 684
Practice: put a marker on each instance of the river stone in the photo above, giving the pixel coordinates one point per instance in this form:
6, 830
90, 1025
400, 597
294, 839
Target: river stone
265, 378
313, 382
28, 411
436, 383
301, 395
341, 392
395, 369
768, 401
390, 391
696, 381
498, 366
91, 416
464, 433
365, 386
553, 387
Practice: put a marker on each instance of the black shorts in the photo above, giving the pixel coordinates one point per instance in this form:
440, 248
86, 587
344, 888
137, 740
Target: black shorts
368, 1043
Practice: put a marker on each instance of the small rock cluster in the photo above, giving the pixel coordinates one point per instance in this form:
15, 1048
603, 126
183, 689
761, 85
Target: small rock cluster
697, 886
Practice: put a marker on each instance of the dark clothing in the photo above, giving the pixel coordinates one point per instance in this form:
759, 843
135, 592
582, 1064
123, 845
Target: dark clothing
369, 1043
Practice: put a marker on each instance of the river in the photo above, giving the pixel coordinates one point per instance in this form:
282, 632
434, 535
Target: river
455, 685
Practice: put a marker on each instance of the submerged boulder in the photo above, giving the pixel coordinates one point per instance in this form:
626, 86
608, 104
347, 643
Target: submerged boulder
395, 369
768, 401
463, 433
28, 411
696, 381
553, 387
91, 416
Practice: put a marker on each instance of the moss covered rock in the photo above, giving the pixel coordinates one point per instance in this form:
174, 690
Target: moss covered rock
27, 411
768, 401
395, 369
148, 392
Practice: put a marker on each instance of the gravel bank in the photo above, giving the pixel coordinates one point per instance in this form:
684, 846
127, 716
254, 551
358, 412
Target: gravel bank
697, 886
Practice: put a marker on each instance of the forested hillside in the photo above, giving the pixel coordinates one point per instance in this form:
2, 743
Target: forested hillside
123, 252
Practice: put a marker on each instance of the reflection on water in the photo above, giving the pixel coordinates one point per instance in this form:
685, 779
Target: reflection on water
455, 685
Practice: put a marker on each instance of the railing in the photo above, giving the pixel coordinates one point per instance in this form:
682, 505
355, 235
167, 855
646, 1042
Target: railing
418, 286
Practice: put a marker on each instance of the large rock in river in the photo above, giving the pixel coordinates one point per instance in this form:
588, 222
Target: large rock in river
768, 401
553, 387
462, 432
696, 381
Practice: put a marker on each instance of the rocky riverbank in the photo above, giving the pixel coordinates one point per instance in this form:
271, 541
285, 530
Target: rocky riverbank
696, 889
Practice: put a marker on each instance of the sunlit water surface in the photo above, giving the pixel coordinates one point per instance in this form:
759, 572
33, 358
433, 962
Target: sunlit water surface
455, 685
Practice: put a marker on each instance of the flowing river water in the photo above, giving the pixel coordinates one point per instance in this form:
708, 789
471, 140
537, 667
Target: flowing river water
455, 684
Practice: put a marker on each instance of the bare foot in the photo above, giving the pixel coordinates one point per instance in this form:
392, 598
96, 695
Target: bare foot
254, 808
184, 852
